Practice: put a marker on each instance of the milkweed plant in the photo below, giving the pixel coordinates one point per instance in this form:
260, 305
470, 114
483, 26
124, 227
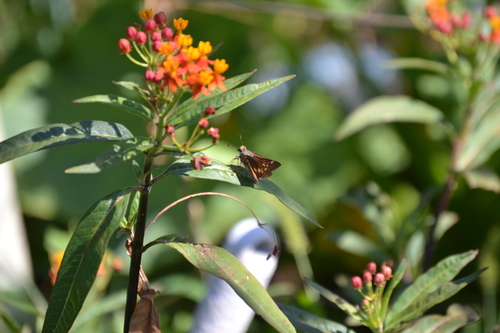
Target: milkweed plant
182, 86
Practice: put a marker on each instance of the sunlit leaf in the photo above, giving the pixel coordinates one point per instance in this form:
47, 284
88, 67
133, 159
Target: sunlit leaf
388, 109
483, 178
356, 243
429, 289
120, 102
59, 135
236, 175
81, 260
222, 101
119, 152
456, 317
310, 323
224, 265
417, 63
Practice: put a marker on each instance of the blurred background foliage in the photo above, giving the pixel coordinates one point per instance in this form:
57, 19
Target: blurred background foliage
54, 51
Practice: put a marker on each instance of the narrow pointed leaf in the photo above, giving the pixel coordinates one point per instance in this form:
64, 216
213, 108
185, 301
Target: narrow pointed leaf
483, 178
191, 105
347, 307
130, 85
388, 109
396, 278
59, 135
223, 102
224, 265
456, 317
310, 323
120, 102
418, 63
81, 260
119, 152
236, 175
429, 282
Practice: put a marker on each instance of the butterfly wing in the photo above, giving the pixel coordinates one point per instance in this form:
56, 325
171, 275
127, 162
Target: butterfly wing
259, 166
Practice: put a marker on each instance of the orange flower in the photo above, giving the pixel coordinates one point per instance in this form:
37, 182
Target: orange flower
204, 47
180, 23
146, 14
166, 48
220, 66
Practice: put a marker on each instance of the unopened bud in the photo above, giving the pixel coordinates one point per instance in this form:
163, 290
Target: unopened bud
149, 75
124, 46
156, 36
371, 267
160, 19
387, 271
170, 130
367, 277
167, 34
131, 32
141, 38
209, 111
203, 123
150, 25
356, 282
379, 279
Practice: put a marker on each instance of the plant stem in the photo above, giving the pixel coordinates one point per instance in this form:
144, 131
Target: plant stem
137, 243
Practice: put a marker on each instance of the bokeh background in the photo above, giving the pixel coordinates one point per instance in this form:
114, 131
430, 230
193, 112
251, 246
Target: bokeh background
55, 51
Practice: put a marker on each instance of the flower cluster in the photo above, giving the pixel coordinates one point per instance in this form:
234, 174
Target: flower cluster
491, 15
374, 283
443, 20
172, 61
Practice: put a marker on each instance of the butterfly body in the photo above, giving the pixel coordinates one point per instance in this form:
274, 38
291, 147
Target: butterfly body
259, 166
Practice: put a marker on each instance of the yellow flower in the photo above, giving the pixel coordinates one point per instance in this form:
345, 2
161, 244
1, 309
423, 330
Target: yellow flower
146, 14
180, 23
220, 66
204, 47
185, 40
193, 53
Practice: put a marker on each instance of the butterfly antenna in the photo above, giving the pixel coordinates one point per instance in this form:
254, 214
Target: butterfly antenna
241, 140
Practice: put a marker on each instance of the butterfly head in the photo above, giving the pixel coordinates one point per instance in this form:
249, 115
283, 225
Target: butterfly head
242, 149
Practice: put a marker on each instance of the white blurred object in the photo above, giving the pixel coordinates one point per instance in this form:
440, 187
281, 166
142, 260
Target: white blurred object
15, 263
223, 310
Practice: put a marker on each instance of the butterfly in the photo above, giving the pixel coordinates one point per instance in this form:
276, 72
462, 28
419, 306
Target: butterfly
259, 166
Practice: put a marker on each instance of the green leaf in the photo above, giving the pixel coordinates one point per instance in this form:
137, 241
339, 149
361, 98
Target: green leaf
396, 278
81, 260
358, 244
224, 265
310, 323
456, 317
222, 101
130, 85
417, 63
119, 152
429, 289
55, 135
479, 145
236, 175
120, 102
388, 109
10, 322
347, 307
483, 178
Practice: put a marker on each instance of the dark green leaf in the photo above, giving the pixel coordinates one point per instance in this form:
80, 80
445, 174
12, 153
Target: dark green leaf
237, 175
224, 265
423, 290
81, 260
59, 135
222, 101
120, 102
119, 152
309, 323
388, 109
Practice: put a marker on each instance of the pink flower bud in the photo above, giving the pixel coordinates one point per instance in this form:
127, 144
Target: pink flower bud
159, 77
167, 34
456, 20
149, 75
444, 27
156, 36
124, 46
141, 38
387, 271
160, 19
214, 134
203, 123
170, 130
356, 282
156, 45
150, 25
199, 162
466, 19
379, 279
367, 277
490, 11
371, 267
209, 111
131, 32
